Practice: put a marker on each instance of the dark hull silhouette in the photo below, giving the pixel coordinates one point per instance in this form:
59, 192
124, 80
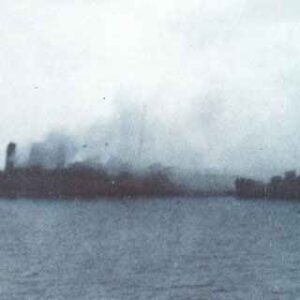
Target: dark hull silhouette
82, 181
249, 188
88, 183
287, 187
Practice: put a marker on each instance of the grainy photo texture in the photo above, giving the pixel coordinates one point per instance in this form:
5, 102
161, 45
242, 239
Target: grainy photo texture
149, 149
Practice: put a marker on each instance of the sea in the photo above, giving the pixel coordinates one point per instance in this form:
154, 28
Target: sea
180, 248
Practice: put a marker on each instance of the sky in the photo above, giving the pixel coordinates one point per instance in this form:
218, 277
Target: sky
206, 84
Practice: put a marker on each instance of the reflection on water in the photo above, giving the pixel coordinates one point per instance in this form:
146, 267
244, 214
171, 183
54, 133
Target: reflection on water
218, 248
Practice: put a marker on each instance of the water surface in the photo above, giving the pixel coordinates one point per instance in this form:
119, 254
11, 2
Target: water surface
214, 248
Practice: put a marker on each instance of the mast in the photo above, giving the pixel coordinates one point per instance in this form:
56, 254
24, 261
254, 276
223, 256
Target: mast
142, 133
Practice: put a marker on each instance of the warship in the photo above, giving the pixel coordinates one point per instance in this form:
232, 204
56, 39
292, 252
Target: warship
82, 181
279, 187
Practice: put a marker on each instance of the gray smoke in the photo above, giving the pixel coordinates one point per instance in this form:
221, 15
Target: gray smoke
56, 150
201, 84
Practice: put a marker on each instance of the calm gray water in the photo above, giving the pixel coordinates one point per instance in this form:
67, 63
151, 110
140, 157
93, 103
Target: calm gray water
217, 248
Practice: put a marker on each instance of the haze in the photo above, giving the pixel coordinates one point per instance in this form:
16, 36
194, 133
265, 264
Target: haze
203, 84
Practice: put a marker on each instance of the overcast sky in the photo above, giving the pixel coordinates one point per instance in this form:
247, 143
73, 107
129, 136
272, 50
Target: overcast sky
219, 78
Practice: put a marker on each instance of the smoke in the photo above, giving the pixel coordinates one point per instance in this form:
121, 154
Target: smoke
202, 85
56, 150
